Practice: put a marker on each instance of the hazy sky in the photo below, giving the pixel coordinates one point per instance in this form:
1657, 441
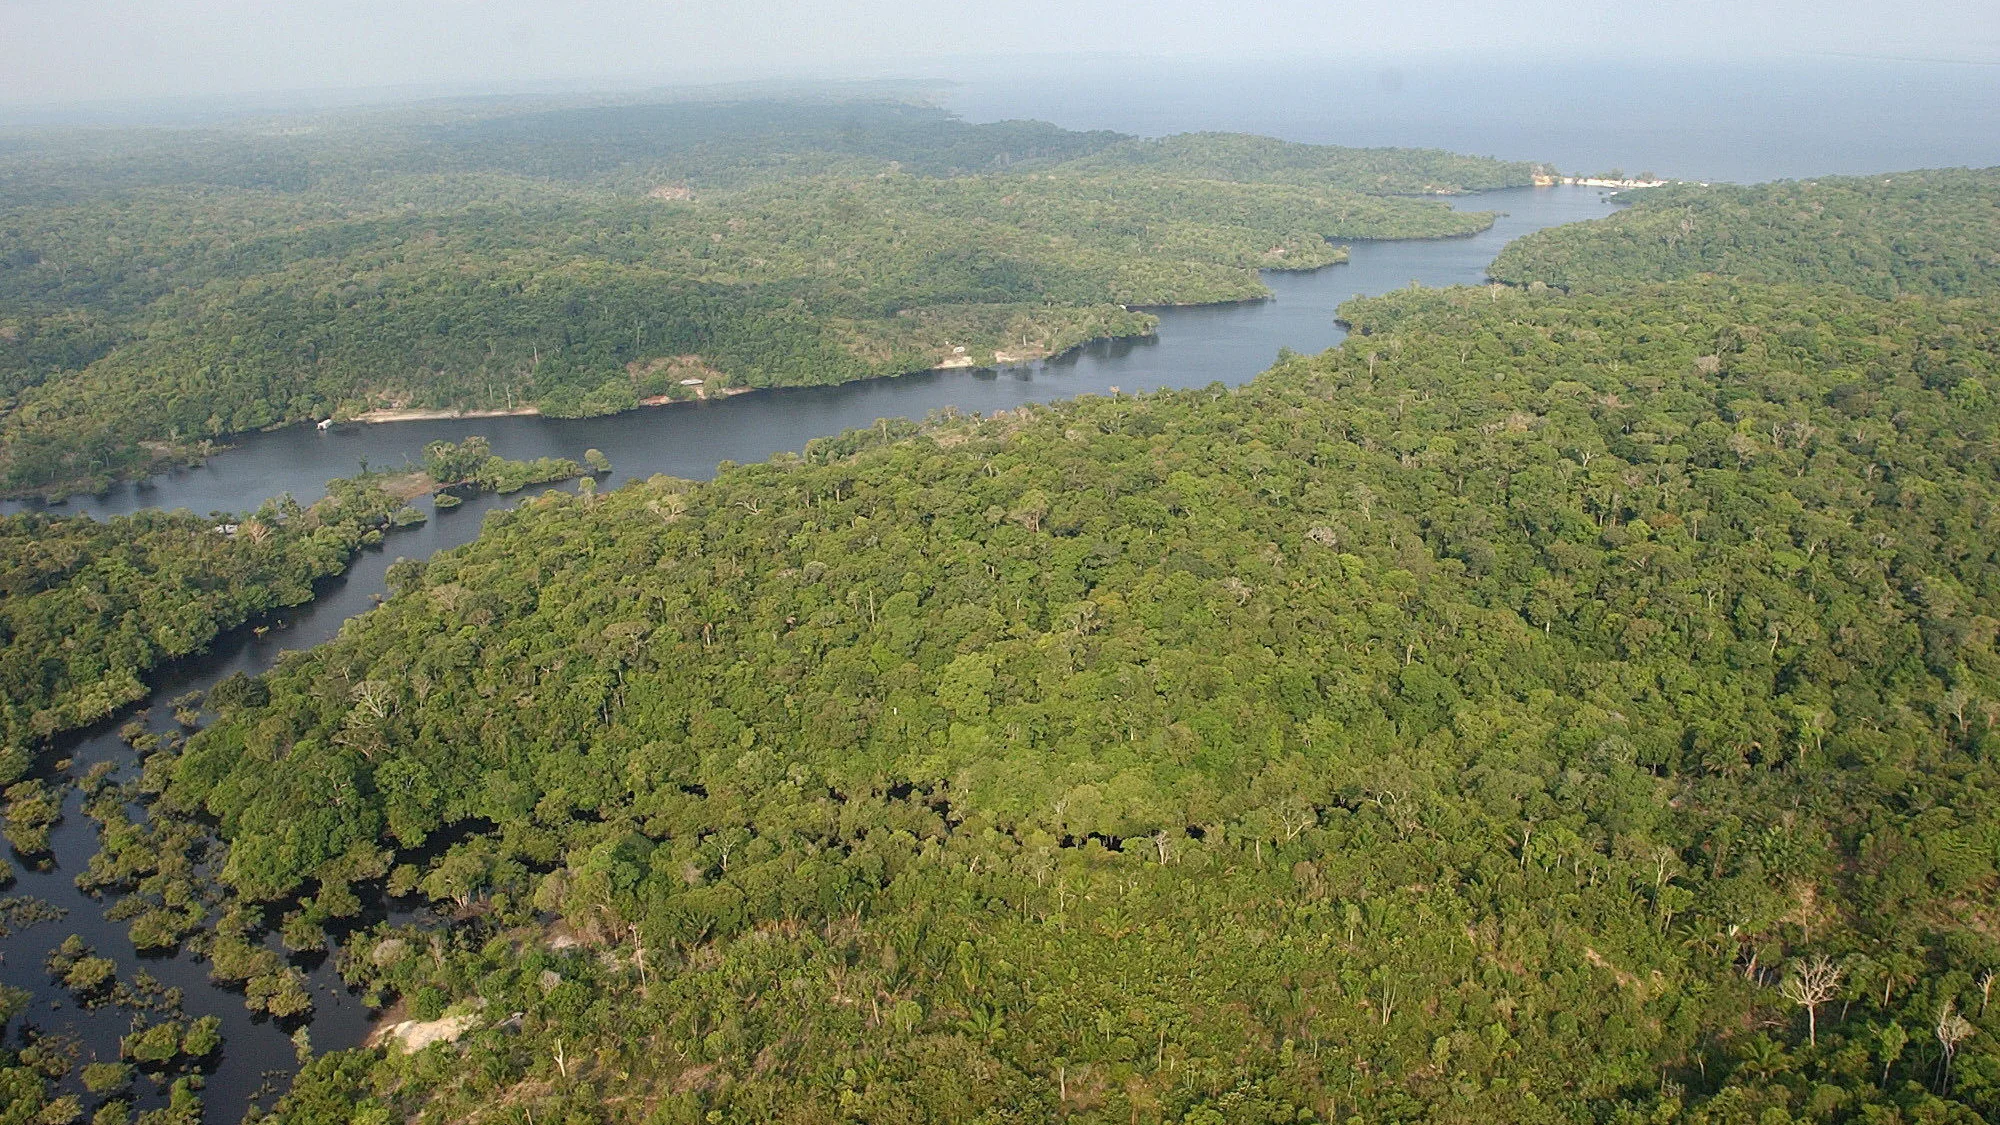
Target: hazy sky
54, 51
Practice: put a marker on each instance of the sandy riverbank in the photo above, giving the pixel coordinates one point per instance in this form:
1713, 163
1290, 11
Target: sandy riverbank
700, 393
397, 414
1599, 181
385, 414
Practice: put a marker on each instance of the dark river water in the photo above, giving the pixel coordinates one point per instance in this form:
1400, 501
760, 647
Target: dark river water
1194, 347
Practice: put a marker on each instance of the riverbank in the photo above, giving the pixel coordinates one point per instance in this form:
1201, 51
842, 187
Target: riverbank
397, 414
1606, 182
702, 393
1189, 345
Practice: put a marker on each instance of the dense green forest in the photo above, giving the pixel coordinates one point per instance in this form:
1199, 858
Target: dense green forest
1567, 702
156, 292
1932, 232
1253, 159
1544, 707
88, 607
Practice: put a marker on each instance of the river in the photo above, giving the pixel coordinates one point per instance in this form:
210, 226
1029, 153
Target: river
1194, 347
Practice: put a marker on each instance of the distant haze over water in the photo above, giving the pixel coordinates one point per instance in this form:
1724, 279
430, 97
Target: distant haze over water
1743, 121
1787, 117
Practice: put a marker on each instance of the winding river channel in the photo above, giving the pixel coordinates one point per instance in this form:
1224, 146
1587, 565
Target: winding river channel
1194, 347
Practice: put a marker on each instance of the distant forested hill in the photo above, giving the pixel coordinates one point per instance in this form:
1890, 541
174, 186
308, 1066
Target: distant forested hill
715, 143
722, 144
1494, 719
1930, 232
1253, 159
157, 290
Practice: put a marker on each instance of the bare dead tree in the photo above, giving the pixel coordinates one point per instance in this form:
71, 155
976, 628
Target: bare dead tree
1813, 982
1296, 817
1952, 1029
639, 953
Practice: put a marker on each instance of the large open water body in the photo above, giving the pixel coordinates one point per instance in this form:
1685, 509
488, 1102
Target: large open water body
1194, 347
1784, 117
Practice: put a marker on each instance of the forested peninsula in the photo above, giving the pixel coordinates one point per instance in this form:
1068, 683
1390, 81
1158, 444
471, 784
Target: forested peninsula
1548, 706
159, 291
1931, 233
88, 607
